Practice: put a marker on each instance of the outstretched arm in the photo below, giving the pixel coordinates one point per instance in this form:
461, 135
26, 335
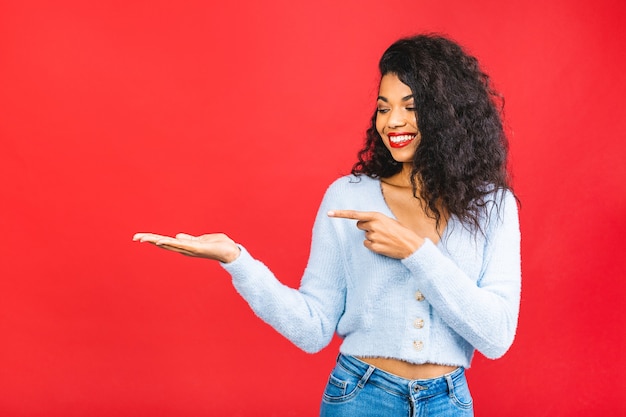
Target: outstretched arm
307, 316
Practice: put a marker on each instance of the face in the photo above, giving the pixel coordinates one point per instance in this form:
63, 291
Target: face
396, 120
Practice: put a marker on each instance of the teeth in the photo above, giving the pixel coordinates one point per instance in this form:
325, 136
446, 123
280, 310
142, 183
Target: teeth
401, 139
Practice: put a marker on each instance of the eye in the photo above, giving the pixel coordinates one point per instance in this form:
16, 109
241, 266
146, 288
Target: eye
382, 111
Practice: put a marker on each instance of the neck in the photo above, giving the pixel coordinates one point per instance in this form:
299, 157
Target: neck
402, 178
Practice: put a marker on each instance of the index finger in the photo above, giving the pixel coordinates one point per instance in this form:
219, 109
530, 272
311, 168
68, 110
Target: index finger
352, 214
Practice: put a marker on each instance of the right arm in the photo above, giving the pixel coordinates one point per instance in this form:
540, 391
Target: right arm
306, 316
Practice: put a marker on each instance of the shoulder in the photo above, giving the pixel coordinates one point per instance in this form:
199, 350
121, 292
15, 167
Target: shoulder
502, 199
351, 183
501, 208
496, 197
351, 190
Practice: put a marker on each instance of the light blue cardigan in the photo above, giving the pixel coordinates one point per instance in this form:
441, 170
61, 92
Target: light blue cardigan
436, 306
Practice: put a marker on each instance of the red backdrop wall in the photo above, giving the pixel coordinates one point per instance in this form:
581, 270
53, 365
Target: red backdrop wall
126, 116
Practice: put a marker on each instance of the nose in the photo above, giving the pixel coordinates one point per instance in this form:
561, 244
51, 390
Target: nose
396, 118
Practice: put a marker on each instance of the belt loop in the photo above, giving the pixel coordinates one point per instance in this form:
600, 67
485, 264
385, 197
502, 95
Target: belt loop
367, 375
450, 383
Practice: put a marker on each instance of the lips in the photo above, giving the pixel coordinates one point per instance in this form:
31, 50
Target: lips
400, 139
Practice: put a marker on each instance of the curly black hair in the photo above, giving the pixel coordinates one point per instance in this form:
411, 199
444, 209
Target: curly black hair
462, 154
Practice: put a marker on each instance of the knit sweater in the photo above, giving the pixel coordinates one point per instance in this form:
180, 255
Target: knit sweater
436, 306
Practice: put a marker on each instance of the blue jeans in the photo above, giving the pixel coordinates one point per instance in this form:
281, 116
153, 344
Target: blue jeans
357, 389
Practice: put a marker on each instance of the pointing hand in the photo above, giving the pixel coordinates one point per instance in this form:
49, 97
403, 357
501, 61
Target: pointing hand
383, 235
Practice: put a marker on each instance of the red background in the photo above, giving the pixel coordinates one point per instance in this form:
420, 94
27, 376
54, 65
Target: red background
126, 116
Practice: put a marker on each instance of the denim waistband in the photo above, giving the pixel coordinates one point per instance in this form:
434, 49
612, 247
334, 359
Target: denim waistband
391, 382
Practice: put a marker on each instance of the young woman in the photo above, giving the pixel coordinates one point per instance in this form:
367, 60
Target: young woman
415, 257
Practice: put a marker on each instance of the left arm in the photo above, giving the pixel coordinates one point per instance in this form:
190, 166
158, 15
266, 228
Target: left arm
484, 312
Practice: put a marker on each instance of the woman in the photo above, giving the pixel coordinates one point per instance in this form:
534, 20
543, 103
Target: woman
415, 257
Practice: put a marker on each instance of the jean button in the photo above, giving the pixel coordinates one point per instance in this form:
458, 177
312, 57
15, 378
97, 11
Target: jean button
417, 388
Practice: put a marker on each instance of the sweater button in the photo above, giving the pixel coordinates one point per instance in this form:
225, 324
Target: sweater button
418, 345
418, 323
419, 296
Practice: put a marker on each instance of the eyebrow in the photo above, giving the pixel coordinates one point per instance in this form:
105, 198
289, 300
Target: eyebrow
405, 98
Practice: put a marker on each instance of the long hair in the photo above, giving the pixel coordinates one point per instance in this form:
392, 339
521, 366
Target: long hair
462, 155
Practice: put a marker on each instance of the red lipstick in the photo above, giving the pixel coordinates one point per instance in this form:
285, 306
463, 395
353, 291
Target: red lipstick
400, 139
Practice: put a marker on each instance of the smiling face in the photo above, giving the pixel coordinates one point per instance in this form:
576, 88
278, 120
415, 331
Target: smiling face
396, 120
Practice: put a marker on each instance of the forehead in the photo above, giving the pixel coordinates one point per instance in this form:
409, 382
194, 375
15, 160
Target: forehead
391, 86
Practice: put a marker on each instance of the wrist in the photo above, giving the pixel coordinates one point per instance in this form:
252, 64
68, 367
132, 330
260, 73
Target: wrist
414, 245
231, 255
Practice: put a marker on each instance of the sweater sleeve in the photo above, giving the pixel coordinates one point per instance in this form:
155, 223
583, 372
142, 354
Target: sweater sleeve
483, 312
306, 316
